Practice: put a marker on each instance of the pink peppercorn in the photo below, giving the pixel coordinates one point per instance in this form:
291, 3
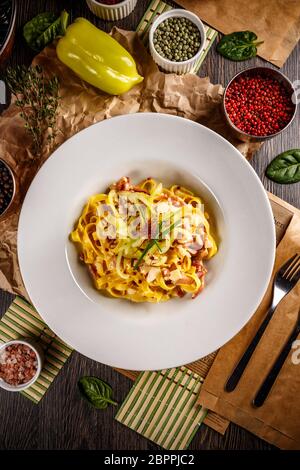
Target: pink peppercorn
258, 105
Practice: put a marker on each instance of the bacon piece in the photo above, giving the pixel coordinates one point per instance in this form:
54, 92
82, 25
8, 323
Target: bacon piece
175, 200
202, 277
179, 292
136, 189
92, 270
124, 184
197, 259
185, 280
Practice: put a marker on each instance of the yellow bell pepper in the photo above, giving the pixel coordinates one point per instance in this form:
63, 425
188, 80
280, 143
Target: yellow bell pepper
97, 58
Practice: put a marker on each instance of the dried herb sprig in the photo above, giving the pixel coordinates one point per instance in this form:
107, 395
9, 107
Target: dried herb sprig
37, 97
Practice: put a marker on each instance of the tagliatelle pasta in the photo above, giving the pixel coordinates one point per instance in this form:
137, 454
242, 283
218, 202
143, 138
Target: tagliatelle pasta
145, 243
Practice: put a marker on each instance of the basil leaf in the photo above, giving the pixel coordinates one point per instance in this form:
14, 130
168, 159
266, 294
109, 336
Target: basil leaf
241, 45
44, 28
97, 392
285, 168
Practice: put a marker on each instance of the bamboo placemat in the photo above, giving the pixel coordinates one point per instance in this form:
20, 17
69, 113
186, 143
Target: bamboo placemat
201, 368
162, 406
156, 8
22, 320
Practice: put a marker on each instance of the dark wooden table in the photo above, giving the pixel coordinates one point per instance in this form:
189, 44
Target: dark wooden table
62, 420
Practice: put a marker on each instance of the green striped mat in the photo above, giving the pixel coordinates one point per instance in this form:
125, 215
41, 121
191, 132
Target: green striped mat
162, 406
157, 7
22, 320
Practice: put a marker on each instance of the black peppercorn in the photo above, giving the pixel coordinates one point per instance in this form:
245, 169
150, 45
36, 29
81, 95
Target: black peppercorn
6, 187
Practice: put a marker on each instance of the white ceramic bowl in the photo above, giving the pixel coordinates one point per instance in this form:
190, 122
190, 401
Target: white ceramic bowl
40, 359
185, 66
111, 12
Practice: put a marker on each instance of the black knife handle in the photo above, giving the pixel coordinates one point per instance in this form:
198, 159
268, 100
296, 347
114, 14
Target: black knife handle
242, 364
267, 384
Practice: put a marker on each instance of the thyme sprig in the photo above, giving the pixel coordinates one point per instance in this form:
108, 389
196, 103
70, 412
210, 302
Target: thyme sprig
37, 97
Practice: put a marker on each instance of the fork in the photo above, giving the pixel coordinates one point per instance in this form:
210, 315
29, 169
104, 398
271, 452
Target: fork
285, 279
267, 384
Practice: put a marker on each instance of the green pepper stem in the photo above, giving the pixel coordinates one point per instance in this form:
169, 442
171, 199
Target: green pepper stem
64, 20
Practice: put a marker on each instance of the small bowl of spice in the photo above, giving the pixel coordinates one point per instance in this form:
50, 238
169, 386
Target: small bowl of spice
111, 10
20, 364
258, 104
7, 187
176, 40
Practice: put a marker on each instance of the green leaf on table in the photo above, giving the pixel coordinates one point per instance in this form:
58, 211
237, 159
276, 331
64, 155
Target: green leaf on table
44, 28
285, 168
97, 392
241, 45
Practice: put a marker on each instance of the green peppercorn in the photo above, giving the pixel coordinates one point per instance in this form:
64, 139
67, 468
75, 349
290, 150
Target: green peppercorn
177, 38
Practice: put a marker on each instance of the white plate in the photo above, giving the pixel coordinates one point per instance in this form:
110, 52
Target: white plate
146, 336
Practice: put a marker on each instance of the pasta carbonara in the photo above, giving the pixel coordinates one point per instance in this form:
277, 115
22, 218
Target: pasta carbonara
145, 243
